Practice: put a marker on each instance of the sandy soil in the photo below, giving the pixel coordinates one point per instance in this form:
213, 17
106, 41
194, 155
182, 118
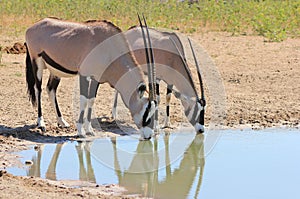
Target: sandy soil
262, 89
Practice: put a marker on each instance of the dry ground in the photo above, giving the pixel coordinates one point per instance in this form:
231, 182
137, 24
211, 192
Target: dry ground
262, 83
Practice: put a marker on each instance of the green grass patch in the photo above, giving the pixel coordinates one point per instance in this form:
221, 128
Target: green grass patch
275, 20
18, 74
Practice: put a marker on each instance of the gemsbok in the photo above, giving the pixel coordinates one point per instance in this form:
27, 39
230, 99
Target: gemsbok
98, 52
171, 67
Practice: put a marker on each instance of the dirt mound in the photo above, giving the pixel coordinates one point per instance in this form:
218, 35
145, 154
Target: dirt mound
17, 48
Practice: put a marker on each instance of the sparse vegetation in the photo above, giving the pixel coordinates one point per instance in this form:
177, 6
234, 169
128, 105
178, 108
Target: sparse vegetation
275, 20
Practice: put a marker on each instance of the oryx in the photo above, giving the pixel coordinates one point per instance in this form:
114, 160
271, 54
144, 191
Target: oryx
98, 52
171, 67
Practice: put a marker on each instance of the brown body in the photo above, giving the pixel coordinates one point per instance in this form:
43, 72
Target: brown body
97, 51
171, 67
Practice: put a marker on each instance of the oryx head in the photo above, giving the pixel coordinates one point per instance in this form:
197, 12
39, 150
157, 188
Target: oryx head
145, 110
194, 111
145, 119
194, 106
199, 110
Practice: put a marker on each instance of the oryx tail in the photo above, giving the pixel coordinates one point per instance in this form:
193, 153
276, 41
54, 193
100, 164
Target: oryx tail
30, 78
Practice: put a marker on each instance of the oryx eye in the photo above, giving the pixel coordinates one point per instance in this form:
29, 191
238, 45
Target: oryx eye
141, 89
202, 102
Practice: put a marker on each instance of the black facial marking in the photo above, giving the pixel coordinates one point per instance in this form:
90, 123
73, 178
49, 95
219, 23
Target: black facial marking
142, 88
201, 118
146, 123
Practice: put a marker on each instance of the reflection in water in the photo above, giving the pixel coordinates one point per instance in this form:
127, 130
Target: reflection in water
82, 149
151, 170
176, 184
254, 164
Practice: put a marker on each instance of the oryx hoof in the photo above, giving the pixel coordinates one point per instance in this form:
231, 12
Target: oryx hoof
61, 123
41, 124
155, 135
80, 130
144, 139
80, 136
62, 126
156, 126
88, 129
90, 133
168, 127
42, 128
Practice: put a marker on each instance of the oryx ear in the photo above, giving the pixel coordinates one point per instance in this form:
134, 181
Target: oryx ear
141, 89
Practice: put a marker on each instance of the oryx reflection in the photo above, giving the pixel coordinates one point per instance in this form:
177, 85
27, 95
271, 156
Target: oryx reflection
176, 183
165, 167
86, 171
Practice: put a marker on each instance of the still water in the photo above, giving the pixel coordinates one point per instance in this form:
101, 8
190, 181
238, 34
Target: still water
243, 164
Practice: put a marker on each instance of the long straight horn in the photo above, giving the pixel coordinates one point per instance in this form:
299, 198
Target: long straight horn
198, 70
150, 80
153, 71
185, 67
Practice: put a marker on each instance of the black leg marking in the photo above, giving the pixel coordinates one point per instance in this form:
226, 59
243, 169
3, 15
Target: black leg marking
94, 85
38, 88
38, 92
52, 85
84, 86
168, 110
93, 88
158, 100
157, 89
169, 91
80, 120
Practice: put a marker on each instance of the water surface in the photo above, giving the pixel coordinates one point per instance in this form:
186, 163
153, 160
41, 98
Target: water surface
243, 164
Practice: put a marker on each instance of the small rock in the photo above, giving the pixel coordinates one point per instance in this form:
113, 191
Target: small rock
36, 147
28, 162
2, 172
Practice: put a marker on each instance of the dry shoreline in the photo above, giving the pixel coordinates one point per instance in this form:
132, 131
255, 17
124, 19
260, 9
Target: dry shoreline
261, 81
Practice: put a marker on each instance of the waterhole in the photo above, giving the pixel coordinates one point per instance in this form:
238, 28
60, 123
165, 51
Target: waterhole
243, 164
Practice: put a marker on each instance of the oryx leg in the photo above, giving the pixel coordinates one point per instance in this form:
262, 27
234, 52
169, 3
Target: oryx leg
114, 108
50, 173
168, 99
156, 123
88, 92
52, 85
84, 87
93, 88
38, 66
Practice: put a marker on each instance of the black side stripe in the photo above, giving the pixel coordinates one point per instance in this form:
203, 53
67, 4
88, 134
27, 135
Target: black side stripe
55, 65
